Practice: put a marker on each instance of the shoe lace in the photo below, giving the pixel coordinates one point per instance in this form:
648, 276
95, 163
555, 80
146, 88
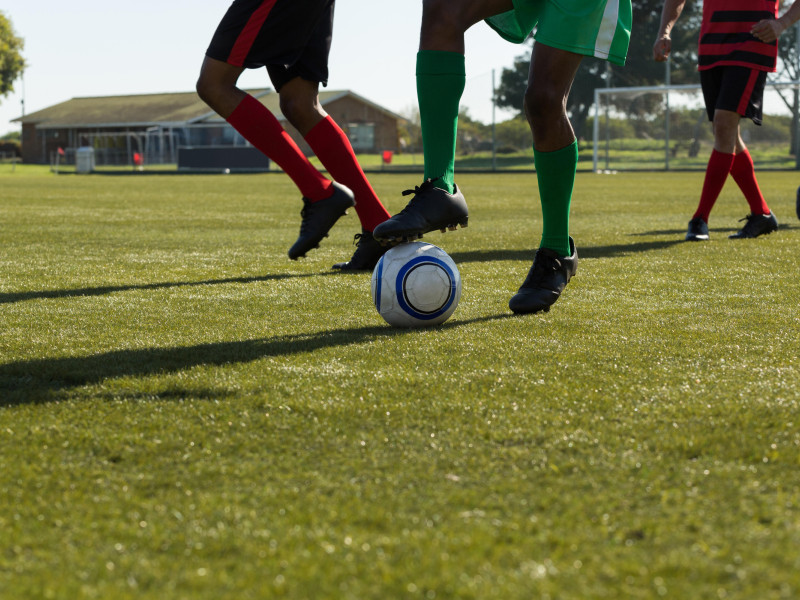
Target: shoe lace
542, 264
305, 218
750, 219
418, 189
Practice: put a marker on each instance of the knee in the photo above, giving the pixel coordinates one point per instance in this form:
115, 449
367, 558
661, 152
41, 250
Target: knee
209, 90
204, 88
298, 109
542, 103
436, 10
725, 139
440, 19
724, 129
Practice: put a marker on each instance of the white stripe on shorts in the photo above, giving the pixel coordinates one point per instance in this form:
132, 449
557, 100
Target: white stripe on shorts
607, 30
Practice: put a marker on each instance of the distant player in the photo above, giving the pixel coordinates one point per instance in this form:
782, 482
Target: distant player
566, 31
292, 40
737, 48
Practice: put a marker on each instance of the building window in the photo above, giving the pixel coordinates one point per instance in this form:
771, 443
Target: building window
362, 135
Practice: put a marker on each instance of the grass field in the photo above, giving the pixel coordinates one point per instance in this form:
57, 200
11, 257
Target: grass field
185, 413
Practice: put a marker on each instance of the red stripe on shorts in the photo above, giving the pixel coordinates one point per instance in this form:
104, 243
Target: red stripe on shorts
248, 35
748, 91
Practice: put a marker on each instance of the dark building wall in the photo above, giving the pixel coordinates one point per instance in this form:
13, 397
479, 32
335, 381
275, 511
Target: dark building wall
348, 111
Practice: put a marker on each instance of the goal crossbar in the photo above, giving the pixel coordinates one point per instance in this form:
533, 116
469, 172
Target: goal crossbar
665, 90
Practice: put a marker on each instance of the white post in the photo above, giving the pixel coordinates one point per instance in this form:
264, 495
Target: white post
797, 102
494, 136
666, 116
596, 127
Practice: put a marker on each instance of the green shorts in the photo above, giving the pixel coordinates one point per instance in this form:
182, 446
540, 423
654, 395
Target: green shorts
599, 28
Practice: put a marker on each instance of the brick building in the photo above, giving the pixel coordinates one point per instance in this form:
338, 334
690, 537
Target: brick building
156, 126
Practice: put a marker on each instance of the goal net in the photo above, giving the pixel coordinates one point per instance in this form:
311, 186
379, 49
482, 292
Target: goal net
667, 128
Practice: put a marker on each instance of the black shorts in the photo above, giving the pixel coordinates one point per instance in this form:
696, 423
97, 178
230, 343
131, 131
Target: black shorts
737, 89
289, 37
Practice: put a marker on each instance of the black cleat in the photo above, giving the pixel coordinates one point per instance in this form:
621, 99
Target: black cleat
368, 253
756, 225
797, 204
431, 208
546, 279
698, 230
318, 218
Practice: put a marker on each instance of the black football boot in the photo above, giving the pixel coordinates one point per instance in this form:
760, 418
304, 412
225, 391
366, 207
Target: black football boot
431, 208
318, 218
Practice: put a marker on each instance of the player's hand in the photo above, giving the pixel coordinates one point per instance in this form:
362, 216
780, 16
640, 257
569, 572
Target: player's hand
662, 48
767, 30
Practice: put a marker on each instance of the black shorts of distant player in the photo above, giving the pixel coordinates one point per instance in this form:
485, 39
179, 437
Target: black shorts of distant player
734, 88
288, 37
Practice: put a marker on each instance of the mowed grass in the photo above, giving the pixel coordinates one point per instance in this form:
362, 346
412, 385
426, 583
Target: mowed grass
186, 413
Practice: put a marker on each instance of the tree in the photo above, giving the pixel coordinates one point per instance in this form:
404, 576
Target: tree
789, 70
640, 68
11, 62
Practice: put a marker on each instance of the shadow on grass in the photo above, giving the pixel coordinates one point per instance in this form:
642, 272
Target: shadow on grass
33, 381
583, 252
459, 257
722, 231
675, 232
10, 297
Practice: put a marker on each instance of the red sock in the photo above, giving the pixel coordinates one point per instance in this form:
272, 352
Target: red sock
744, 174
333, 149
719, 165
260, 127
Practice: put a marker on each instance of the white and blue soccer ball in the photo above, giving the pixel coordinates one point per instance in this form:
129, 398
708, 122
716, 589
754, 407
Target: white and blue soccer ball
416, 285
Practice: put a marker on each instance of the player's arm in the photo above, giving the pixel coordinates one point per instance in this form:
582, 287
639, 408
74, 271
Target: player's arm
669, 14
769, 30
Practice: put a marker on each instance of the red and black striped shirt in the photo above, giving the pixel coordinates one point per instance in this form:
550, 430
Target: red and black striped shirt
725, 37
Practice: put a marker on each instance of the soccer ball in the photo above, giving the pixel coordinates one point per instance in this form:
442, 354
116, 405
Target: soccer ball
416, 285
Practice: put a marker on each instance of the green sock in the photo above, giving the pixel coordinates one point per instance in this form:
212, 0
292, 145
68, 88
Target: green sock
441, 77
556, 174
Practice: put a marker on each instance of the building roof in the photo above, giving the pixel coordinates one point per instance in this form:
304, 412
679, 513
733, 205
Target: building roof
177, 109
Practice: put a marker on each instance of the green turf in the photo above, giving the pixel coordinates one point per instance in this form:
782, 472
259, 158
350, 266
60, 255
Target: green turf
185, 413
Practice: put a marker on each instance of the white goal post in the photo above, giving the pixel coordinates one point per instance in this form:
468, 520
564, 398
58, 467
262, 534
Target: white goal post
666, 127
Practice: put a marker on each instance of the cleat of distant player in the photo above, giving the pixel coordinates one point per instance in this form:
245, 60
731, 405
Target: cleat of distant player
797, 204
756, 225
431, 208
698, 230
318, 218
546, 279
368, 253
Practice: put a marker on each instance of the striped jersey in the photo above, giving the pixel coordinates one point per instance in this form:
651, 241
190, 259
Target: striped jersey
725, 37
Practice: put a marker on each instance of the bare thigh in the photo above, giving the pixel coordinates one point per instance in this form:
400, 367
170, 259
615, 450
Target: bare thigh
445, 21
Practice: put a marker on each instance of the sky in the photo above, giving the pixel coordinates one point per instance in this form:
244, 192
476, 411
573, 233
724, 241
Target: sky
100, 48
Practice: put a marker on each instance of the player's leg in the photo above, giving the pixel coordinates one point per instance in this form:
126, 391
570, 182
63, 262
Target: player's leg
440, 77
761, 220
725, 127
552, 72
255, 33
298, 85
555, 148
256, 123
300, 104
726, 132
217, 87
